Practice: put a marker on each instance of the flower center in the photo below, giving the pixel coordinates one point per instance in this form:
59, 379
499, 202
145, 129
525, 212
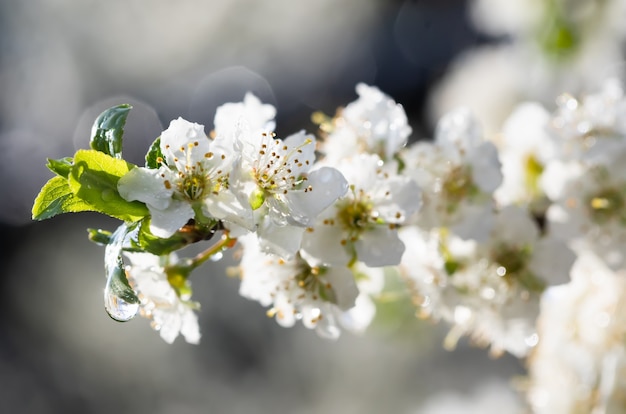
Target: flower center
310, 279
192, 185
533, 169
457, 186
277, 166
356, 213
512, 265
606, 205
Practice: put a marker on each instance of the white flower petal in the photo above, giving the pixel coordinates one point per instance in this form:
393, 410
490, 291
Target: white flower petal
380, 246
486, 168
251, 114
515, 227
165, 222
328, 185
145, 185
189, 328
344, 286
361, 171
184, 143
458, 130
358, 318
305, 153
397, 198
324, 247
477, 222
227, 207
283, 241
552, 260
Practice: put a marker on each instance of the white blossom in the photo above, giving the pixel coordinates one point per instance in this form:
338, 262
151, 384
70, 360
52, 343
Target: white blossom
296, 290
169, 313
190, 183
276, 179
489, 290
587, 209
458, 174
362, 225
580, 360
525, 148
591, 126
374, 123
251, 114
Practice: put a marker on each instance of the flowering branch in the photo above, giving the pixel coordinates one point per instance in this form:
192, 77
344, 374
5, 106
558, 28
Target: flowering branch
485, 234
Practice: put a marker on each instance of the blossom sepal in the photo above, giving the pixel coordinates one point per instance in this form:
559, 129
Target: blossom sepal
154, 157
190, 233
61, 167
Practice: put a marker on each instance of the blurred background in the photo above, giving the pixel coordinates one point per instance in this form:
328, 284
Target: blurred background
62, 62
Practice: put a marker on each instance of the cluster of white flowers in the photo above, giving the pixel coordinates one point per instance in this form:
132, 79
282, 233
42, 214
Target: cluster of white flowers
516, 241
314, 235
478, 229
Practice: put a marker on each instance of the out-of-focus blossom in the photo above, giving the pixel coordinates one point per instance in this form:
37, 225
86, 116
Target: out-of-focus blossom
458, 174
374, 123
169, 313
295, 290
579, 363
489, 290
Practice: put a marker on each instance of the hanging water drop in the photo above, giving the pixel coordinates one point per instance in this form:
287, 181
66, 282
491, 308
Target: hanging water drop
117, 308
120, 300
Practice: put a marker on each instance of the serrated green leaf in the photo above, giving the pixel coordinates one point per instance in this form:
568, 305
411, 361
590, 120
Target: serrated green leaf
60, 167
56, 198
108, 129
94, 178
155, 157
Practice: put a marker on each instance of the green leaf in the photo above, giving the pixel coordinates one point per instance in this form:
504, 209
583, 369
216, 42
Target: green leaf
94, 178
189, 234
60, 167
154, 157
108, 129
155, 245
99, 236
55, 198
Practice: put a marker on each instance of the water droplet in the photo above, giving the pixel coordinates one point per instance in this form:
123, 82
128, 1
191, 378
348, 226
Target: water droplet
118, 308
120, 301
107, 195
532, 340
217, 257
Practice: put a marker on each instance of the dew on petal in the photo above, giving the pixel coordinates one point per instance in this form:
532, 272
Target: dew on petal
532, 340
